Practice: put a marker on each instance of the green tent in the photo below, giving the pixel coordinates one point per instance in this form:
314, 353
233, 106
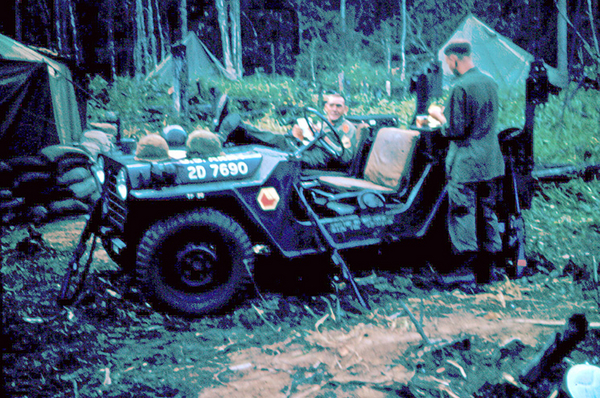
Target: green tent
496, 55
200, 61
37, 101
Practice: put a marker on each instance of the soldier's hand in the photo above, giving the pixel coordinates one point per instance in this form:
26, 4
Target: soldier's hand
297, 132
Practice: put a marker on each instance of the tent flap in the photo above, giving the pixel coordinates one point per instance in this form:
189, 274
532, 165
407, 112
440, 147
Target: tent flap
25, 101
38, 98
201, 63
495, 55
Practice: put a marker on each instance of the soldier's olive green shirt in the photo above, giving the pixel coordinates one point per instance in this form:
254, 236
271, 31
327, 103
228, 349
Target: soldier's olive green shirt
472, 113
317, 156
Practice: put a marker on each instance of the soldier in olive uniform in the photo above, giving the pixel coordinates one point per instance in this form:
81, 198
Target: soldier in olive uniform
316, 157
474, 161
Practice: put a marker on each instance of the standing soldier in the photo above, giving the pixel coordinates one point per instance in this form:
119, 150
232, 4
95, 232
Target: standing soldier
473, 163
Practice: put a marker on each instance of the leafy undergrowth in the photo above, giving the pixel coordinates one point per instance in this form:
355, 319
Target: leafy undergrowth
112, 344
563, 227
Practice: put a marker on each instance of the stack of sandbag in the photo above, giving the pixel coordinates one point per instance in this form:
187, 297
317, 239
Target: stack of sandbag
57, 182
26, 182
96, 142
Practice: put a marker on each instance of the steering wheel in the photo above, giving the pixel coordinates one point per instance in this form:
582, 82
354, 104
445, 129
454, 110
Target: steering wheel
319, 137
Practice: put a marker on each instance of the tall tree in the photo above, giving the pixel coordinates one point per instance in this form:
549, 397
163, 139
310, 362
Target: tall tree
152, 52
161, 36
60, 26
184, 17
110, 22
140, 48
403, 41
18, 20
343, 15
228, 12
75, 38
561, 51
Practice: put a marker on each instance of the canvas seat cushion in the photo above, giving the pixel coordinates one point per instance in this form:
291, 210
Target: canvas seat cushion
352, 184
388, 165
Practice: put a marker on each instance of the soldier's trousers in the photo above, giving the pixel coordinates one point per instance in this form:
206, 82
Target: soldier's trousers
472, 218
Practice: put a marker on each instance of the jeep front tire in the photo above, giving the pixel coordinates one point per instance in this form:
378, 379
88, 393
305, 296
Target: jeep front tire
194, 263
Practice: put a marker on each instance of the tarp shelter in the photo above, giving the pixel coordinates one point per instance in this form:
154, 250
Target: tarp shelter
200, 61
37, 101
496, 55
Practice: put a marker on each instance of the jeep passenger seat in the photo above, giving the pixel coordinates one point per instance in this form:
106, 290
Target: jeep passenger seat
388, 166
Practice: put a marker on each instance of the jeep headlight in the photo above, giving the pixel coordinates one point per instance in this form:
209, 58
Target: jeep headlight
121, 185
99, 170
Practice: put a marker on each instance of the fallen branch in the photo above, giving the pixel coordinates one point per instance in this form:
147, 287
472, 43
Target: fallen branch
542, 322
416, 322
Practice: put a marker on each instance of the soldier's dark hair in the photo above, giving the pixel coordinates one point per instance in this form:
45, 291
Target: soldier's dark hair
334, 94
459, 48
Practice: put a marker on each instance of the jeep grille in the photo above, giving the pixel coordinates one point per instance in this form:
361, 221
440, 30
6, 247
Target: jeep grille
116, 208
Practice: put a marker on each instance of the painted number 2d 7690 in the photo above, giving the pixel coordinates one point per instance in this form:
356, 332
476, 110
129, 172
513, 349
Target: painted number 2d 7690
217, 170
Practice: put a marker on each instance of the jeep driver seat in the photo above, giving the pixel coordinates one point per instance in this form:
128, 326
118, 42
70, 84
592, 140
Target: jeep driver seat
388, 166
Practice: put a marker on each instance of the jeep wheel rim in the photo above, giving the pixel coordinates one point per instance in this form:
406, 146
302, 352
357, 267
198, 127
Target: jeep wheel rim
195, 266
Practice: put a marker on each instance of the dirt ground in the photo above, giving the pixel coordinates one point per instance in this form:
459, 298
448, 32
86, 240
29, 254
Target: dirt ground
277, 344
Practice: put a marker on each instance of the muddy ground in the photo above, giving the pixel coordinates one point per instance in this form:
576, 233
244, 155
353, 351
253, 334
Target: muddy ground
293, 340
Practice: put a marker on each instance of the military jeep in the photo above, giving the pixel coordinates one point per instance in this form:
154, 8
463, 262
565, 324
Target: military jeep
191, 228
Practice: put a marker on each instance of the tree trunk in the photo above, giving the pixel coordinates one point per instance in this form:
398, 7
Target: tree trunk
60, 39
224, 27
151, 36
184, 25
140, 49
403, 42
312, 51
111, 40
18, 20
76, 48
161, 36
594, 36
562, 54
236, 37
228, 12
343, 15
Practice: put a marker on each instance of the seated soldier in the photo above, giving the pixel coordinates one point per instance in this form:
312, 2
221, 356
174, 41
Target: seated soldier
316, 157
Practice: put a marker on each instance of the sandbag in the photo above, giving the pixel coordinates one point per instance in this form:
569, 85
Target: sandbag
108, 128
11, 204
84, 189
55, 153
5, 167
6, 175
68, 163
94, 197
37, 214
68, 206
23, 164
6, 194
33, 182
95, 142
73, 176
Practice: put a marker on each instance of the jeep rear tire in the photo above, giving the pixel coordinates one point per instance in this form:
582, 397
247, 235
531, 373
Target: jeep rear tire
194, 263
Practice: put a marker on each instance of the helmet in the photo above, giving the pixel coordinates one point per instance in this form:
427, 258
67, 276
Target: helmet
203, 143
175, 135
152, 148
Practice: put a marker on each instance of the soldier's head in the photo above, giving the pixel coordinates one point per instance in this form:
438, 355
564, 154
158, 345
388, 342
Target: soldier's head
458, 56
335, 107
